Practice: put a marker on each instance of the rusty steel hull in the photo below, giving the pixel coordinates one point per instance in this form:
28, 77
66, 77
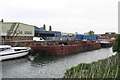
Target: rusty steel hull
64, 49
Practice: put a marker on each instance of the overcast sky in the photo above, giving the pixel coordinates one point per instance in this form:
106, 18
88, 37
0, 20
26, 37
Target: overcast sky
63, 15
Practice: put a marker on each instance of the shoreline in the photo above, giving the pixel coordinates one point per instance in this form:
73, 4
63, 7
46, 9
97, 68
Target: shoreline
95, 69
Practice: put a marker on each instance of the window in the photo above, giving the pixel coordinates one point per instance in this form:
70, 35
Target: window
28, 32
3, 49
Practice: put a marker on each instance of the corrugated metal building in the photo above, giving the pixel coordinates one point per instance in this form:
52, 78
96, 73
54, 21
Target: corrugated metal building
67, 36
88, 37
16, 31
48, 35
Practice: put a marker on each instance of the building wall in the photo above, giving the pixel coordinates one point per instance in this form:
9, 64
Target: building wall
16, 38
47, 35
88, 37
12, 31
17, 29
0, 33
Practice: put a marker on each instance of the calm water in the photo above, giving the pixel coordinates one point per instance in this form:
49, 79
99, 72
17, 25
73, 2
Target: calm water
49, 66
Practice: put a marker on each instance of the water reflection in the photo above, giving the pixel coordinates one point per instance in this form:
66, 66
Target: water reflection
43, 59
48, 66
0, 70
39, 59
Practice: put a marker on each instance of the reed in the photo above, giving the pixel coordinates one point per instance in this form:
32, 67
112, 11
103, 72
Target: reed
106, 68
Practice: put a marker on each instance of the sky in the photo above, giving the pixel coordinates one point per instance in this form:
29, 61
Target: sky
68, 16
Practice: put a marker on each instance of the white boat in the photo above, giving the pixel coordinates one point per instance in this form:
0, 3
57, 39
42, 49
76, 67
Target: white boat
8, 52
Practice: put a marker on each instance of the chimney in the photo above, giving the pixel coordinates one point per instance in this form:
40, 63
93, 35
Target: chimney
50, 28
2, 20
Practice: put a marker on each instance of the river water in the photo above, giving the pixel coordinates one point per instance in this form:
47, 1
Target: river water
42, 66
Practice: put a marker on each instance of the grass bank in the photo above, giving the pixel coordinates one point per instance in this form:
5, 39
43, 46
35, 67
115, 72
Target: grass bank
106, 68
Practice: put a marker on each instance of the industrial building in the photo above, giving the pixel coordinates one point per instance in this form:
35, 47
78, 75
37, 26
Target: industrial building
87, 37
67, 36
47, 35
16, 31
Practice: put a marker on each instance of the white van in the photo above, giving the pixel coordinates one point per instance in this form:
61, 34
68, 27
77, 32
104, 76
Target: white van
38, 39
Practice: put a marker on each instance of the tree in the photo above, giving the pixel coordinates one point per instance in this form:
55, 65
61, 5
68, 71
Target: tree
76, 33
116, 45
91, 32
116, 48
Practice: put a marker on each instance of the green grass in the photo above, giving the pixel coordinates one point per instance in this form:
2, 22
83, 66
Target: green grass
106, 68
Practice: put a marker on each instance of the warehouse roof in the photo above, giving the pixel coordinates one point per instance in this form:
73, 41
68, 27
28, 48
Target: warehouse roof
16, 22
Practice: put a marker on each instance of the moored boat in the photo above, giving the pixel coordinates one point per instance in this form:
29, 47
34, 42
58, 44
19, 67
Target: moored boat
8, 52
70, 47
106, 44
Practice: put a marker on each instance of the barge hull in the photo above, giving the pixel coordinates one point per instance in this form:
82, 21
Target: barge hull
65, 49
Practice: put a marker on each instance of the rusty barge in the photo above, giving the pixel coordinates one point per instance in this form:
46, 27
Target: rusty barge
69, 47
